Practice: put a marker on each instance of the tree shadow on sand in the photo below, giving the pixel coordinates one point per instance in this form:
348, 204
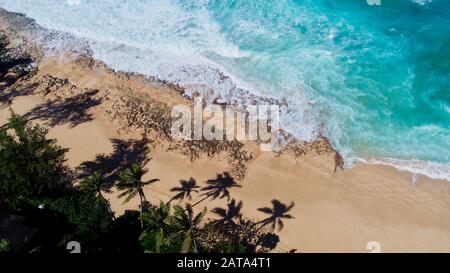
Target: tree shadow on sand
17, 64
268, 242
125, 153
278, 213
6, 97
231, 213
234, 233
219, 187
14, 65
73, 110
185, 190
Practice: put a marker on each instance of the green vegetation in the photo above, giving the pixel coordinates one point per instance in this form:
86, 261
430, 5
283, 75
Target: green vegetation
4, 246
31, 166
36, 184
187, 224
96, 185
131, 184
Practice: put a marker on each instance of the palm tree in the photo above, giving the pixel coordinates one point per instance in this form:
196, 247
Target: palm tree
153, 238
278, 212
157, 217
185, 190
186, 223
131, 184
155, 241
227, 215
219, 187
96, 184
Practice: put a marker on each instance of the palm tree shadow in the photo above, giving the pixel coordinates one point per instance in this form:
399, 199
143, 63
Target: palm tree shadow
268, 241
125, 153
73, 110
17, 91
228, 215
219, 187
185, 190
14, 65
277, 213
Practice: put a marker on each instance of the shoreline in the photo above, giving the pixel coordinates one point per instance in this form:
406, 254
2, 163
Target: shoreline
52, 45
335, 210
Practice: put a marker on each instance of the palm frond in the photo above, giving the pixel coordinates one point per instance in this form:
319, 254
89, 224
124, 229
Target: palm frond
266, 210
151, 181
220, 211
197, 220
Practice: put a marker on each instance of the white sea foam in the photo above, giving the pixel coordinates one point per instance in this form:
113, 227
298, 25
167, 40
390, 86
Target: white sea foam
415, 167
178, 46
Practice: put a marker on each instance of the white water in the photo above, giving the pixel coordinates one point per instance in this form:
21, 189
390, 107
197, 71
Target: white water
186, 44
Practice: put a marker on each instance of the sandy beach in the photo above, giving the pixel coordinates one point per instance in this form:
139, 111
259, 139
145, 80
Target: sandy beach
85, 104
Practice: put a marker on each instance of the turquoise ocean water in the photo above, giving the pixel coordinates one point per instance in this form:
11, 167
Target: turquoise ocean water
374, 79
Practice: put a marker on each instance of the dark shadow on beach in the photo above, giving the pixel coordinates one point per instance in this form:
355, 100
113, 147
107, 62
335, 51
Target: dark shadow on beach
277, 214
231, 224
218, 187
14, 65
12, 68
185, 190
268, 241
231, 215
7, 97
125, 153
73, 110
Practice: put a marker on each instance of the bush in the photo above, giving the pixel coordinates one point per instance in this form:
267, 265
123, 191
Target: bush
31, 166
